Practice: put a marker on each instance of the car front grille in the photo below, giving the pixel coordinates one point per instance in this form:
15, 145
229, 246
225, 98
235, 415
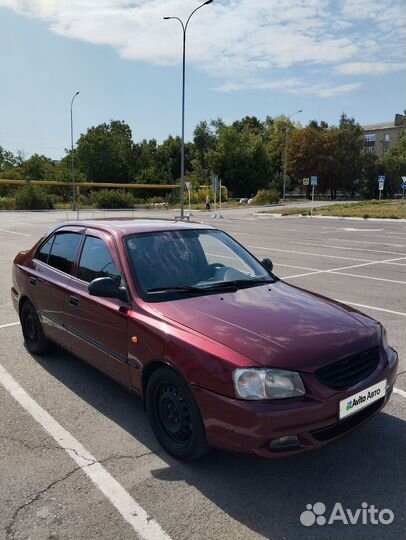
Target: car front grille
349, 371
347, 424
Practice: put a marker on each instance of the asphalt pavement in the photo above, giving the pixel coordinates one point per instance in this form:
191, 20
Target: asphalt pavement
50, 490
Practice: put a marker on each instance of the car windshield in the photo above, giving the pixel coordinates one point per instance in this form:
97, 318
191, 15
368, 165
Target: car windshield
191, 261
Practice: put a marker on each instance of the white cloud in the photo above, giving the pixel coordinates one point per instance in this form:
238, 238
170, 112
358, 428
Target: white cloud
368, 68
332, 90
243, 43
292, 86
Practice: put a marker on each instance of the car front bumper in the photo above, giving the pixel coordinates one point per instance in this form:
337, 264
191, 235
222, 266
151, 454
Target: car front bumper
251, 426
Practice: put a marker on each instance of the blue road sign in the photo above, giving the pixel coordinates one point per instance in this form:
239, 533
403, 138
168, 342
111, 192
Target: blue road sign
381, 178
313, 180
403, 185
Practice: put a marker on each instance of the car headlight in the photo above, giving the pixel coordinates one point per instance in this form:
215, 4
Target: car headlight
253, 383
384, 338
390, 353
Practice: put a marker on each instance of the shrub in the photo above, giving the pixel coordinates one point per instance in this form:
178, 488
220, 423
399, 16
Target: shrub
7, 190
7, 203
156, 200
266, 196
113, 198
224, 193
32, 198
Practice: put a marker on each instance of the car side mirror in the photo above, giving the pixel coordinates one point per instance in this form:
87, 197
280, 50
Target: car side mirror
267, 264
106, 287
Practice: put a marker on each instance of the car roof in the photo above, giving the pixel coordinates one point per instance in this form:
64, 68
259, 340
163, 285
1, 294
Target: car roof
123, 227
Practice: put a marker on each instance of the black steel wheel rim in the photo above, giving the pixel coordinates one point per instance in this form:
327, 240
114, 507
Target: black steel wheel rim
31, 326
174, 414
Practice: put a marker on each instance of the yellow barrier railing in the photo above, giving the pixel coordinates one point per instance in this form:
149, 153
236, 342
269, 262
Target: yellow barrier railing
79, 185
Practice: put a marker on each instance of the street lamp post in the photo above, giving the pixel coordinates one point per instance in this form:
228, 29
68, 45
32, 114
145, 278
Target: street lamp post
182, 155
286, 153
72, 154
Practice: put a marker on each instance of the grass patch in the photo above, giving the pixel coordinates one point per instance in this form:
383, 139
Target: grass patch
145, 205
366, 209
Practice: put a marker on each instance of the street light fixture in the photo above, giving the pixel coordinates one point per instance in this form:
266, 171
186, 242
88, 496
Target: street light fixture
72, 155
286, 153
182, 158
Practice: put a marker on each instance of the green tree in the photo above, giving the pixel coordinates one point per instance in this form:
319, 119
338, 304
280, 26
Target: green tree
145, 153
348, 151
37, 167
204, 140
277, 132
8, 160
394, 166
241, 160
250, 123
309, 153
334, 154
105, 153
368, 185
169, 157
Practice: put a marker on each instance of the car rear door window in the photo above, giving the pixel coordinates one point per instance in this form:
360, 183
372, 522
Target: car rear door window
63, 251
96, 261
43, 252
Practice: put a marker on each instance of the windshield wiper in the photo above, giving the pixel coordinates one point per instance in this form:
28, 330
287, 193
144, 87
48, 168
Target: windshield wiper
185, 288
232, 285
225, 285
238, 283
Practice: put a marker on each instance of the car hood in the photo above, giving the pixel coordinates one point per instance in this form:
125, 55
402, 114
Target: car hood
277, 325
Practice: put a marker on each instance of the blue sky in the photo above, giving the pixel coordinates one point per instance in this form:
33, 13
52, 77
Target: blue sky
245, 57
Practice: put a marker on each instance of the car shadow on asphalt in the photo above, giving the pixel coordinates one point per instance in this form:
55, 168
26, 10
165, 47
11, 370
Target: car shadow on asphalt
268, 496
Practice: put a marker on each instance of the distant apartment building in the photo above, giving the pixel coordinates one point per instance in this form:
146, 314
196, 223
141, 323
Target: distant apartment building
379, 138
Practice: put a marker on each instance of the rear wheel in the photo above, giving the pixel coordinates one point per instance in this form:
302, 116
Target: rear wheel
174, 415
34, 336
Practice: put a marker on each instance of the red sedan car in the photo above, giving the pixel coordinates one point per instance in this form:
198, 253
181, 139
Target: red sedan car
222, 352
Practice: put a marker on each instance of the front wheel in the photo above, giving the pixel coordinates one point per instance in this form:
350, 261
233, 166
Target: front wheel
174, 415
34, 336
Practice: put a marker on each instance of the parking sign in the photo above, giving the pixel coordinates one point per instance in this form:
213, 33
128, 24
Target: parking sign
313, 180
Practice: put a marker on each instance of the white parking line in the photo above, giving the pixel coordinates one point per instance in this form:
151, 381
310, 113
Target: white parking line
9, 324
298, 267
307, 253
383, 243
351, 229
348, 302
146, 527
370, 277
14, 232
348, 248
337, 270
400, 392
29, 225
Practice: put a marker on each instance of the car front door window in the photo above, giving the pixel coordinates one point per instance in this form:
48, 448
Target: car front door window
96, 261
63, 251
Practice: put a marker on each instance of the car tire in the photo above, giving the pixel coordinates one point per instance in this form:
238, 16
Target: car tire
175, 416
34, 336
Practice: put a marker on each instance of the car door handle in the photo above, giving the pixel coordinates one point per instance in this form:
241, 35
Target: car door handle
73, 300
33, 280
